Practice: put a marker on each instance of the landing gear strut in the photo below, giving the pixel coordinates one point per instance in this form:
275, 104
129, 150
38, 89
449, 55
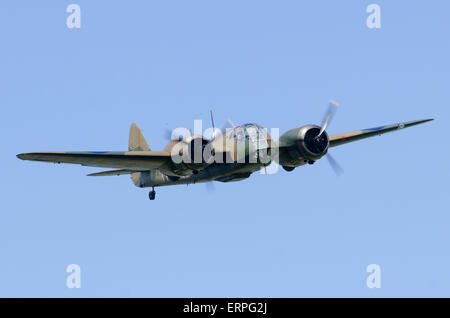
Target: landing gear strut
152, 194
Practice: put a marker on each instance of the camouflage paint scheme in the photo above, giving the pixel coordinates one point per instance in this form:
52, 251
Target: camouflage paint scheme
157, 168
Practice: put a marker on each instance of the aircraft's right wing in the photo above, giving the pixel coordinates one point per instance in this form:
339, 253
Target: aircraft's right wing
131, 160
340, 139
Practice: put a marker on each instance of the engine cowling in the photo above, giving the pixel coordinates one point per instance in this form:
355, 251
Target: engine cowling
188, 156
302, 145
193, 152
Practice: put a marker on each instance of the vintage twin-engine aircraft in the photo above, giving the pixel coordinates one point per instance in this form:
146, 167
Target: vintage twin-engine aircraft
230, 155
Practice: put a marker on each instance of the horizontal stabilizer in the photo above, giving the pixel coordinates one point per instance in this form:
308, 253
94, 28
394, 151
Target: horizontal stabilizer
111, 173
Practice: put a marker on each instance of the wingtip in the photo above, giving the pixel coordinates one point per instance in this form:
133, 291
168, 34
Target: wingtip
425, 120
417, 122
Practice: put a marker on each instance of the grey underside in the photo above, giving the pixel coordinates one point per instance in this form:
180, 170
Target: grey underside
226, 172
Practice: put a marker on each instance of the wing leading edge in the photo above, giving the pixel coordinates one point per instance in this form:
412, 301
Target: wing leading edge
340, 139
131, 160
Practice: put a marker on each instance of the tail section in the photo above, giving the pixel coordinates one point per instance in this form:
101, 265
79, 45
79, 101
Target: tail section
137, 140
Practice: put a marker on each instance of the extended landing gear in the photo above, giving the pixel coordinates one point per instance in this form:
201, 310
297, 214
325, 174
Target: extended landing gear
152, 194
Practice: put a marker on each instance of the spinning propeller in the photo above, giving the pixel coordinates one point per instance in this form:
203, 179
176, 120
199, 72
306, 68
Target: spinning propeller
331, 111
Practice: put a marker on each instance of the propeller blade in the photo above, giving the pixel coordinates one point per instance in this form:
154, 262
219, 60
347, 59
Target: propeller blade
175, 134
231, 123
228, 124
332, 107
210, 187
335, 165
168, 134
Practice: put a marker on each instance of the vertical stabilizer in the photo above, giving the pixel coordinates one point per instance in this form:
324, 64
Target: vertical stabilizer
137, 140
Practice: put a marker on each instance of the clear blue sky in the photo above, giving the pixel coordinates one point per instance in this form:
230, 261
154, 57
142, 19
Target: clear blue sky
163, 64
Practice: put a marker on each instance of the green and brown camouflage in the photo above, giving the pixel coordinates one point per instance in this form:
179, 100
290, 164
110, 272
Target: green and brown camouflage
231, 156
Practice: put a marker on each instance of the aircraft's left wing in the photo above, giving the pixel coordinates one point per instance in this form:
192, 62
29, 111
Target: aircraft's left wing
131, 160
340, 139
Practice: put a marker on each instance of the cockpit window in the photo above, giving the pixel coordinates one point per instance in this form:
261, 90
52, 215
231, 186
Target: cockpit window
252, 132
240, 134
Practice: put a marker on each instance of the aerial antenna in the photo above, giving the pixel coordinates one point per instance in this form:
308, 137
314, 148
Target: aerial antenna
212, 119
212, 122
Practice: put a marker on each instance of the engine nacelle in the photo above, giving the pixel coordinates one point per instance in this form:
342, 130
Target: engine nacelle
187, 156
302, 145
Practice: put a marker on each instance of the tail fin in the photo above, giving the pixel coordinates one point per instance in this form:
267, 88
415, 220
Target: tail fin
137, 140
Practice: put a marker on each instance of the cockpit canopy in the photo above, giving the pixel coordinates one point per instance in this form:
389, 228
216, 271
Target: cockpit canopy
249, 131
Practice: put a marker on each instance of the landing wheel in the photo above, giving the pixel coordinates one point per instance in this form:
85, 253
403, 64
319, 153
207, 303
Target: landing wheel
152, 195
